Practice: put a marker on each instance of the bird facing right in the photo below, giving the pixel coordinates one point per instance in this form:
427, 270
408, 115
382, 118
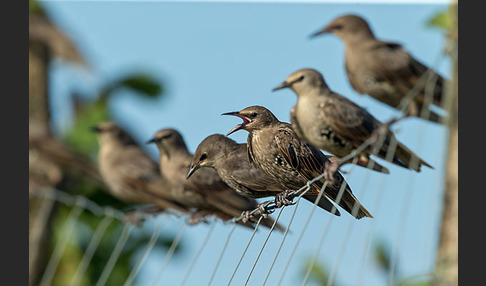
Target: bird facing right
384, 70
275, 148
321, 115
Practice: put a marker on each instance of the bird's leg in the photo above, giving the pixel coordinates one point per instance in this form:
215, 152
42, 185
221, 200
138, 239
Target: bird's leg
253, 215
197, 217
135, 217
284, 198
331, 168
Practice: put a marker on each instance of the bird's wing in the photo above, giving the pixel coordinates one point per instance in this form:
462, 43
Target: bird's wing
305, 158
348, 120
392, 62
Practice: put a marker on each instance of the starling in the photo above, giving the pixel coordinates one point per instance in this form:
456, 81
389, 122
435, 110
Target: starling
274, 147
131, 176
205, 190
384, 70
333, 123
231, 162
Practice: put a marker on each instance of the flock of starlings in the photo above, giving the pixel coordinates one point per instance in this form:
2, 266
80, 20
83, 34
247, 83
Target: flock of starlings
280, 158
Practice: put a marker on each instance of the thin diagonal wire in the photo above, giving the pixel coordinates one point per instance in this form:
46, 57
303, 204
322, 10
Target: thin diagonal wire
148, 248
71, 200
304, 228
282, 242
61, 245
381, 188
40, 223
326, 228
378, 200
244, 252
222, 253
428, 231
170, 252
114, 255
91, 249
406, 204
263, 246
201, 248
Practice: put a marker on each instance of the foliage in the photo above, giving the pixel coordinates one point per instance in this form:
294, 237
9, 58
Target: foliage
441, 20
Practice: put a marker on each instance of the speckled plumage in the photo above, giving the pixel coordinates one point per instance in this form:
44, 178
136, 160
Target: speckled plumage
275, 148
335, 124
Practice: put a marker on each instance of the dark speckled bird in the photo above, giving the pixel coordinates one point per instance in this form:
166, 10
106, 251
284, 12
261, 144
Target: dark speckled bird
320, 112
131, 176
231, 162
384, 70
205, 190
275, 148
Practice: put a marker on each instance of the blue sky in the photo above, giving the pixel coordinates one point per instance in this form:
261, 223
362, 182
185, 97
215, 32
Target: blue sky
218, 57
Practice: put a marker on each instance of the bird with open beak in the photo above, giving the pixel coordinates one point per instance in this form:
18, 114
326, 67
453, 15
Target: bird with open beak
231, 162
205, 191
273, 146
384, 70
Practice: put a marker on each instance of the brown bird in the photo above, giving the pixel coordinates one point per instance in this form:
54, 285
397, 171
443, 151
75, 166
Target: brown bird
130, 174
231, 162
333, 123
275, 148
384, 70
205, 190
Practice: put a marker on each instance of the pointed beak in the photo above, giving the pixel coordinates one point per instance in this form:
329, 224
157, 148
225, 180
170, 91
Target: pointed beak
281, 86
150, 141
192, 169
95, 129
325, 30
246, 120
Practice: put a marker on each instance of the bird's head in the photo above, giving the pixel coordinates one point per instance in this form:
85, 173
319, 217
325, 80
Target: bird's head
168, 140
347, 27
110, 132
254, 118
208, 152
303, 81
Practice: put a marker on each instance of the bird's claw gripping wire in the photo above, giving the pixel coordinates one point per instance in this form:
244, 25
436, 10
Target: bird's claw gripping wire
253, 215
285, 198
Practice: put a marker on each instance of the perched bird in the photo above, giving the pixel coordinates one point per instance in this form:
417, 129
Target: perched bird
275, 148
205, 190
384, 70
130, 174
335, 124
231, 162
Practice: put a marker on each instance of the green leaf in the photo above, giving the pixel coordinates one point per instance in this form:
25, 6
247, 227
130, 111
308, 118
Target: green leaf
441, 20
80, 137
36, 8
141, 83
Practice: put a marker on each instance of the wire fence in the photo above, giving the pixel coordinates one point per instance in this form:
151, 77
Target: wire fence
224, 263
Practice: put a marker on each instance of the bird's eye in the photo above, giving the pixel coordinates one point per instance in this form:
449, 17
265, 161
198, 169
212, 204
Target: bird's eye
165, 136
300, 78
203, 157
338, 27
253, 115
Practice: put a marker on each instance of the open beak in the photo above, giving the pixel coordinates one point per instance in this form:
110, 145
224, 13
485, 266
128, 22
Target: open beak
282, 85
325, 30
246, 121
192, 169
